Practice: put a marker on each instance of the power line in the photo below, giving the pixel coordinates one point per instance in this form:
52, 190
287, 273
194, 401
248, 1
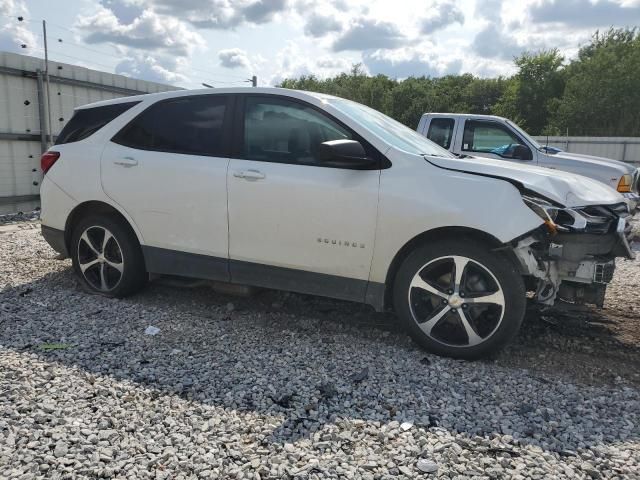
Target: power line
237, 79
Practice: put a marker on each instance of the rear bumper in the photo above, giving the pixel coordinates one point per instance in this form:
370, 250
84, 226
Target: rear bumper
55, 238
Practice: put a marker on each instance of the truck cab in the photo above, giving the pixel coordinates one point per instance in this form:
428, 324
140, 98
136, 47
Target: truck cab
499, 138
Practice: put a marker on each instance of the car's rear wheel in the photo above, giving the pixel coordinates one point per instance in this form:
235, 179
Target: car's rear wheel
107, 257
459, 299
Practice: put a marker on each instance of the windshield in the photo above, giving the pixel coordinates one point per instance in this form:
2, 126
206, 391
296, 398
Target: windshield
524, 134
394, 133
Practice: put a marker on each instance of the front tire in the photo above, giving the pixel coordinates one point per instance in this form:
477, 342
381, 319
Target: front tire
459, 299
107, 257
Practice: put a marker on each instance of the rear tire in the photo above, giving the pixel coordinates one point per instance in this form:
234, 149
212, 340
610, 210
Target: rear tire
107, 257
459, 299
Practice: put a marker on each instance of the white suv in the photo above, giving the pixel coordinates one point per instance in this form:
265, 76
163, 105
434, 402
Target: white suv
316, 194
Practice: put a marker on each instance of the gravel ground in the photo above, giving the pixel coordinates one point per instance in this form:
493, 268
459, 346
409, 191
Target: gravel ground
18, 217
291, 386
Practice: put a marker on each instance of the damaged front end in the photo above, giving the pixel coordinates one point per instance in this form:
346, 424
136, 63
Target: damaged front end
572, 255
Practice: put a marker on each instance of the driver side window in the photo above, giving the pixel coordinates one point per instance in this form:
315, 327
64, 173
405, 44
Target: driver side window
491, 137
278, 130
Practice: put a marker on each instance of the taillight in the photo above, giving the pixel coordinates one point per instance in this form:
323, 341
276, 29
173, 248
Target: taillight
47, 160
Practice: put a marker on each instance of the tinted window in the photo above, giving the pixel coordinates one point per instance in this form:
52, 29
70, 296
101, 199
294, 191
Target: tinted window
190, 125
89, 120
441, 131
488, 137
287, 132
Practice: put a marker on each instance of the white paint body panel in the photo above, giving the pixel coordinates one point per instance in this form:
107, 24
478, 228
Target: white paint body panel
280, 219
416, 196
178, 202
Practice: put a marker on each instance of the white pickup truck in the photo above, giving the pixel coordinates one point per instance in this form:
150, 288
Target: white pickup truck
496, 137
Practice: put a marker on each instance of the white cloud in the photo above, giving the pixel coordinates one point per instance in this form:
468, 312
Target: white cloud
587, 14
13, 32
223, 14
290, 62
491, 42
319, 25
155, 47
234, 58
408, 62
155, 68
369, 34
443, 14
148, 31
160, 38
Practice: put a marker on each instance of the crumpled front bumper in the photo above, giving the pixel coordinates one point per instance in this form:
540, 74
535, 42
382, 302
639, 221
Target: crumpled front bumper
575, 267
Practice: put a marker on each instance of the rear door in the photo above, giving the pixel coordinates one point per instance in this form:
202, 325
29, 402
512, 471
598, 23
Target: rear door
168, 169
295, 224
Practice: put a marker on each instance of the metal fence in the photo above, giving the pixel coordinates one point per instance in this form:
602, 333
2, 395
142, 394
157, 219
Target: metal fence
24, 116
626, 149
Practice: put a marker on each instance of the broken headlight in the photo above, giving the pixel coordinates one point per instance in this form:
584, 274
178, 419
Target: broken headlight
592, 219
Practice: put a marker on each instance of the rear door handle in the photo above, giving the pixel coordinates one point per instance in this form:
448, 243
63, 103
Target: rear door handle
249, 174
126, 162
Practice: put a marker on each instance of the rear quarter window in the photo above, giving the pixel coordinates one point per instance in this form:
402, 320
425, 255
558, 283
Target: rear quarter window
87, 121
186, 125
441, 131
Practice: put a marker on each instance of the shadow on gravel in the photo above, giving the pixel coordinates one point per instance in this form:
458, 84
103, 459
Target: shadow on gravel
312, 361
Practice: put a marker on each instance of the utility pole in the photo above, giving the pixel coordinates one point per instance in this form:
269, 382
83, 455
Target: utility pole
46, 78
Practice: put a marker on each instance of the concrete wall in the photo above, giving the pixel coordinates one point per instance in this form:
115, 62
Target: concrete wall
21, 106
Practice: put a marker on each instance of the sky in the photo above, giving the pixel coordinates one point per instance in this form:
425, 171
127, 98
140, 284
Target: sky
225, 42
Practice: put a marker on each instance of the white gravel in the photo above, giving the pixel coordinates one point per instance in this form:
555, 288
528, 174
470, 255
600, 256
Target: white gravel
281, 386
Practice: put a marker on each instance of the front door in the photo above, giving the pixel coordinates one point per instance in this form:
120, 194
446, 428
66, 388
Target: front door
168, 170
486, 138
295, 224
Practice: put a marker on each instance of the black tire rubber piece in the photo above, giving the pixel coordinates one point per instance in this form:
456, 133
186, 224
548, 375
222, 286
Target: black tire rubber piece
502, 268
134, 276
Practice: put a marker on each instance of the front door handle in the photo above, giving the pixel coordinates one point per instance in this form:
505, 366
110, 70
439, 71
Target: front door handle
249, 174
126, 162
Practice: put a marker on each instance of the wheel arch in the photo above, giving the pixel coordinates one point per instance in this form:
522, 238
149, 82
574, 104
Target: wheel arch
91, 207
436, 234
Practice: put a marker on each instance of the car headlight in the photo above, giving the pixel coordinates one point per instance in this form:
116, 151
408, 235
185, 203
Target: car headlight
592, 219
546, 211
625, 183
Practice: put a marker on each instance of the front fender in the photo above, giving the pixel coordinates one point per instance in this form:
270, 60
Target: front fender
417, 197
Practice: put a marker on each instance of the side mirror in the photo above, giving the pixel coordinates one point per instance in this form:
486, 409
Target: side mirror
521, 152
345, 154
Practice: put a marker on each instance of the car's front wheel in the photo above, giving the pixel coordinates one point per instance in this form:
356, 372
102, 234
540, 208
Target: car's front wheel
107, 257
459, 298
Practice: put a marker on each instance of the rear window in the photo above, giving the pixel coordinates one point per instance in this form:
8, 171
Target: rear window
441, 131
87, 121
190, 125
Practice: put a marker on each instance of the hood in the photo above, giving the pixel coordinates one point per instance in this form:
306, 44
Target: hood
578, 157
568, 189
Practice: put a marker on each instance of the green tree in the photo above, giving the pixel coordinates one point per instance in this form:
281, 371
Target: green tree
602, 93
538, 82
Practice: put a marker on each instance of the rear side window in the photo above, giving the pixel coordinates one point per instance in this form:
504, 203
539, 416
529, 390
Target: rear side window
192, 125
87, 121
441, 131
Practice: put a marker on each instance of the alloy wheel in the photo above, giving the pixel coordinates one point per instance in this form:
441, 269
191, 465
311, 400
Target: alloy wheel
100, 258
456, 301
